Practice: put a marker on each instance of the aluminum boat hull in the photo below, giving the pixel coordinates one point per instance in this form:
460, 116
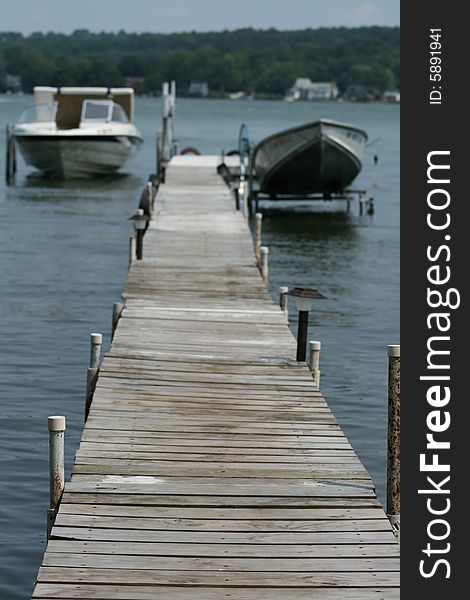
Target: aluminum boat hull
322, 157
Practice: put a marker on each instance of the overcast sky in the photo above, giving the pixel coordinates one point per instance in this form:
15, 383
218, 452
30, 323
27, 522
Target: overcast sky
165, 16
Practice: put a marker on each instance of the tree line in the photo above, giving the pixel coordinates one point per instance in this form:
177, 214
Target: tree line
267, 61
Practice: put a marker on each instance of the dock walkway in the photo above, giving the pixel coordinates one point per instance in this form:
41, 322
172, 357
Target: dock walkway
210, 466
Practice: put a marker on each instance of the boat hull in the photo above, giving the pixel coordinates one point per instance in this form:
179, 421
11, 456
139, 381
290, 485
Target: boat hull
322, 157
77, 157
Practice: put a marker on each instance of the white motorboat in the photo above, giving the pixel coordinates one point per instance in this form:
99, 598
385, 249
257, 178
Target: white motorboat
78, 132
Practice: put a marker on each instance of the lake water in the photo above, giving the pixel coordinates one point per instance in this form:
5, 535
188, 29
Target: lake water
63, 262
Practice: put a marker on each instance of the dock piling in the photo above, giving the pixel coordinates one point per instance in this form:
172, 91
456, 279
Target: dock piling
264, 263
10, 154
96, 340
283, 302
362, 203
117, 310
393, 441
259, 224
314, 360
151, 197
56, 427
131, 250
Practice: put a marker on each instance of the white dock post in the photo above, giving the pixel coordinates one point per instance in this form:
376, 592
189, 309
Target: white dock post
150, 197
132, 247
263, 264
362, 203
56, 427
259, 224
96, 340
393, 441
314, 361
242, 196
283, 301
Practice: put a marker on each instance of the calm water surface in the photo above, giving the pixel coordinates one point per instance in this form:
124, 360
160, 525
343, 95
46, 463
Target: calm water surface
63, 262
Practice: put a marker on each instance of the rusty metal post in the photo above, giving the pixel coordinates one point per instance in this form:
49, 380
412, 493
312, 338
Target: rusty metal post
117, 310
283, 302
259, 223
314, 361
393, 445
263, 263
56, 427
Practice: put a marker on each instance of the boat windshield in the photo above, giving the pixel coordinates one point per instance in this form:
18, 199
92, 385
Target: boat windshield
119, 115
39, 113
102, 111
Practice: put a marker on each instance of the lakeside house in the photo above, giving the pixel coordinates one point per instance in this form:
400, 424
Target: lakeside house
305, 89
198, 89
13, 83
392, 96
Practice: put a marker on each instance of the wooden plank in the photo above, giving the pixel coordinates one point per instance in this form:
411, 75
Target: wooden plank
110, 496
252, 551
253, 514
175, 563
222, 538
66, 591
219, 525
215, 578
222, 486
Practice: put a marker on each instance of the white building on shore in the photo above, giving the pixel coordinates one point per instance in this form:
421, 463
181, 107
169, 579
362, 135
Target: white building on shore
305, 89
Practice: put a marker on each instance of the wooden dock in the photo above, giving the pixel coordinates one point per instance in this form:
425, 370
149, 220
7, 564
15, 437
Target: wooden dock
210, 466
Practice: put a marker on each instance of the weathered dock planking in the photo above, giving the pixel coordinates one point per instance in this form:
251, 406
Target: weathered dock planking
210, 465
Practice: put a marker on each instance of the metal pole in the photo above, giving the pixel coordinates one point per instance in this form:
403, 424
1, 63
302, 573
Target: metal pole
263, 264
259, 223
140, 244
236, 193
56, 427
393, 445
283, 301
314, 361
302, 335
